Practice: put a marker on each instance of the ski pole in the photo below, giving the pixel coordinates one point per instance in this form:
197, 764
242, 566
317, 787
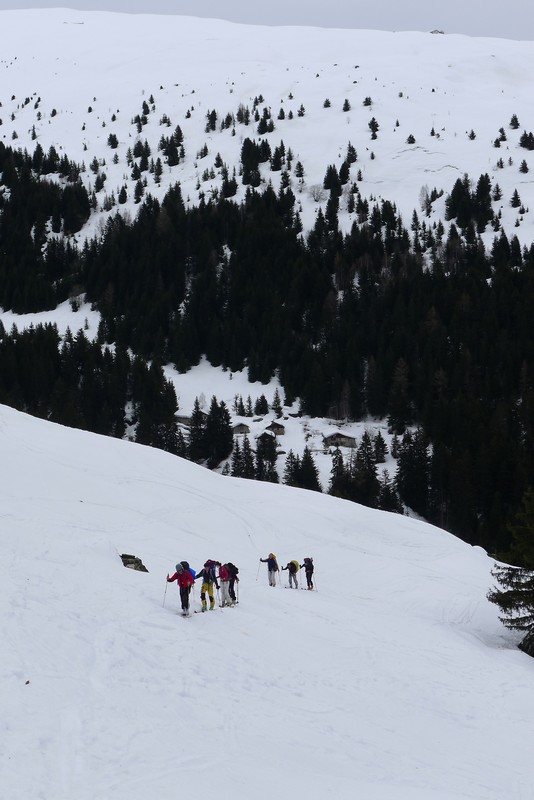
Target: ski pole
237, 587
165, 594
258, 572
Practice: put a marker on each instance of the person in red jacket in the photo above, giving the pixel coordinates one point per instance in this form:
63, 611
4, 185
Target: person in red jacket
185, 581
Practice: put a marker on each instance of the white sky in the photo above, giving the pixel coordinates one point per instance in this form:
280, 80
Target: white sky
474, 18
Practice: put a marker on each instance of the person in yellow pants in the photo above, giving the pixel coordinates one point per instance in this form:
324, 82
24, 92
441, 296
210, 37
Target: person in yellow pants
209, 579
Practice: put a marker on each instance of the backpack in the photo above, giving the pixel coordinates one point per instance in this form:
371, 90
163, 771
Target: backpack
185, 579
224, 574
185, 565
308, 563
209, 570
296, 563
232, 570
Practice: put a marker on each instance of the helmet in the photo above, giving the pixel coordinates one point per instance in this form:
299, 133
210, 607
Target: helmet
179, 567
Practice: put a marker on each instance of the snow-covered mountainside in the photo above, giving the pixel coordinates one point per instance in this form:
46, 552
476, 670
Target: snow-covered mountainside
72, 79
393, 681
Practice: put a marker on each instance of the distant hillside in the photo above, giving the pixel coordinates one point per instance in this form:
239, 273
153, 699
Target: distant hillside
93, 85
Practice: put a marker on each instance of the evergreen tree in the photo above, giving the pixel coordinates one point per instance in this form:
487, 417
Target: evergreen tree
365, 476
308, 474
399, 402
514, 122
522, 532
218, 437
381, 448
331, 180
515, 599
266, 459
344, 173
352, 155
75, 208
156, 405
290, 469
388, 498
340, 478
515, 202
277, 404
237, 461
373, 127
249, 467
261, 406
413, 473
197, 434
483, 212
181, 444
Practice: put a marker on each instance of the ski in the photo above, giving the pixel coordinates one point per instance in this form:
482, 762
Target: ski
199, 610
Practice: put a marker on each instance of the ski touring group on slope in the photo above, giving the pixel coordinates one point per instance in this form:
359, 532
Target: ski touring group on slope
292, 568
227, 577
224, 578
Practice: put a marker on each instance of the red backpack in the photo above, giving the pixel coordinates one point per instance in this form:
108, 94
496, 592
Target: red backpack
224, 575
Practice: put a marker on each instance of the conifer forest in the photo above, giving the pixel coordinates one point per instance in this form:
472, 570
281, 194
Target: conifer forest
425, 328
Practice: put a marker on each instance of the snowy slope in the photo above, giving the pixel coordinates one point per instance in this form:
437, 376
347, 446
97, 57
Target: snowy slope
393, 681
65, 73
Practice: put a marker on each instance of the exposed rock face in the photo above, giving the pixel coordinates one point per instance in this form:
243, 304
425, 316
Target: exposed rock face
132, 562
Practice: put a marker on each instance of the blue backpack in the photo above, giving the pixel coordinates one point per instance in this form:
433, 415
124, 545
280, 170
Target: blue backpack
185, 565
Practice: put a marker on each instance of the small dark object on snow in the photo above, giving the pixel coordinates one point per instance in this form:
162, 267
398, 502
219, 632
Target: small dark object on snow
132, 562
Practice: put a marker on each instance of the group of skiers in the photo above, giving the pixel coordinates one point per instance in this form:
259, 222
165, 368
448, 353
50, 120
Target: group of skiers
185, 577
292, 568
224, 577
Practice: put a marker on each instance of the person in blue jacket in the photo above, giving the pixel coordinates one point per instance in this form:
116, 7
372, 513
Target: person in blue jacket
272, 567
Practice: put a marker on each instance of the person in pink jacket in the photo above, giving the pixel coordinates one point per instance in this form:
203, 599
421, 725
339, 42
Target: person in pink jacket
224, 579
